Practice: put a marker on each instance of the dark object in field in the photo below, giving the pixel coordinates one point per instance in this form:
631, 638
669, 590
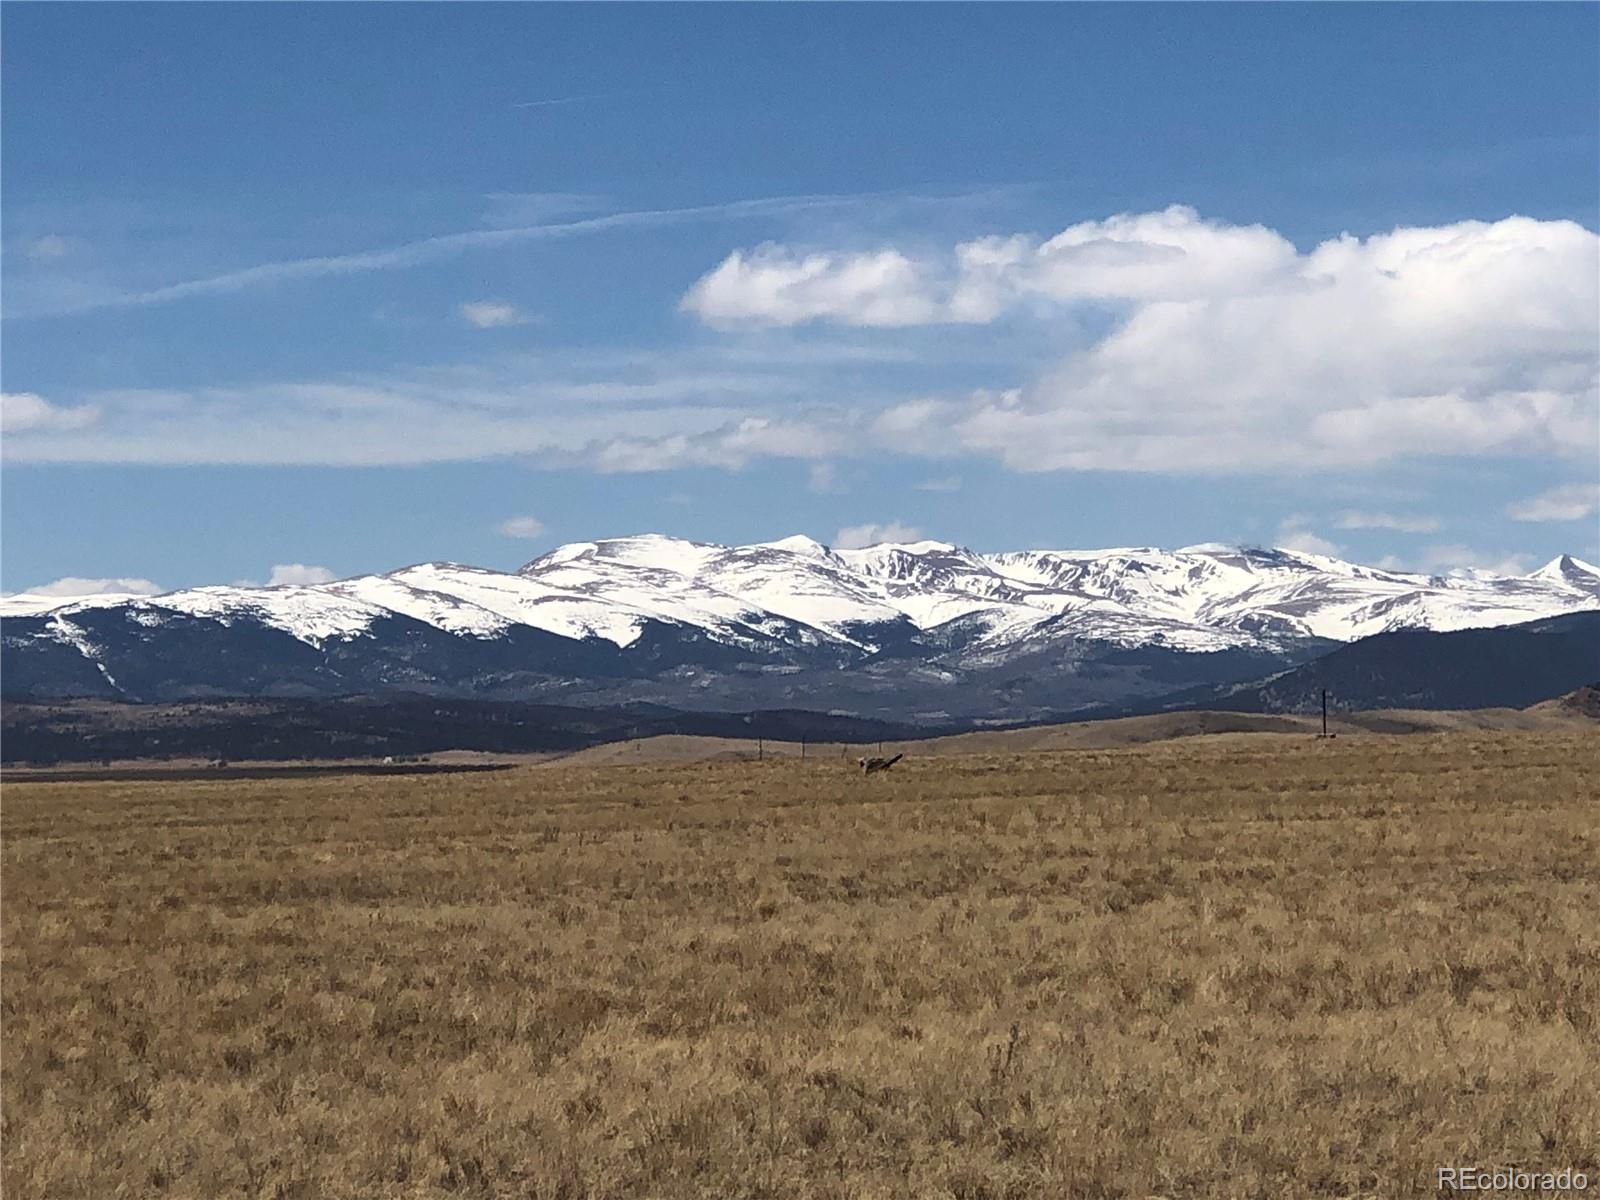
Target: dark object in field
869, 765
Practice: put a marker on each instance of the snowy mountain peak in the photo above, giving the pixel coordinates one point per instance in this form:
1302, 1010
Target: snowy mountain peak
797, 592
1573, 572
561, 554
900, 557
798, 544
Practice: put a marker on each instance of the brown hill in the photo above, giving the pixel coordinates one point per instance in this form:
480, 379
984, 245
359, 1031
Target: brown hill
1564, 713
1583, 704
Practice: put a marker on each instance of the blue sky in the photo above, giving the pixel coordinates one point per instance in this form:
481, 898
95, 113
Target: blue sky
353, 286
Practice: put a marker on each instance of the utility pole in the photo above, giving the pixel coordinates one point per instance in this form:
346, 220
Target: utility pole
1324, 712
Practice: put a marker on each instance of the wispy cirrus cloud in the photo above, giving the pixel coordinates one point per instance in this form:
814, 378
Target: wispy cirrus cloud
823, 479
1396, 522
49, 247
491, 314
559, 101
731, 446
444, 246
26, 411
537, 208
617, 410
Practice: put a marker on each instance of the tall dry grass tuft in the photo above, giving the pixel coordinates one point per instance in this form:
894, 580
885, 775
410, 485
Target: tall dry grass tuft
1222, 967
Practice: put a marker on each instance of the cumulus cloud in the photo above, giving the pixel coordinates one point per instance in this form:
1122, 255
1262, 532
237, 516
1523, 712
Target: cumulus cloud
1569, 502
772, 286
522, 527
72, 585
24, 411
856, 537
1293, 535
1230, 350
1172, 255
1398, 522
1201, 347
285, 573
489, 314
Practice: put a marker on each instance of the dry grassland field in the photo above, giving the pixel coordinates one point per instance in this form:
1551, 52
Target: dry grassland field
1228, 966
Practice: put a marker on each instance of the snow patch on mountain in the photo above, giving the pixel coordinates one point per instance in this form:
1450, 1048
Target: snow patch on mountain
796, 593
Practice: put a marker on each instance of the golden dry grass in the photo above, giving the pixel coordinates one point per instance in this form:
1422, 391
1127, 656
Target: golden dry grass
1565, 715
1233, 966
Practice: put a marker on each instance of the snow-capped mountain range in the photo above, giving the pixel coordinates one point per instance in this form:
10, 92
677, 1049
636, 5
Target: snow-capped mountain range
662, 619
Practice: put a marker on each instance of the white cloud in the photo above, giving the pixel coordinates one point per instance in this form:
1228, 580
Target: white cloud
1232, 352
558, 100
284, 573
448, 245
72, 585
1569, 502
729, 446
924, 426
51, 245
568, 407
535, 208
1399, 522
771, 286
1443, 559
823, 479
1172, 255
522, 527
1204, 347
1456, 559
25, 411
856, 537
490, 314
1292, 535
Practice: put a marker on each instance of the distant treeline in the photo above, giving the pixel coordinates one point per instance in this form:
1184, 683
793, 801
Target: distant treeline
361, 726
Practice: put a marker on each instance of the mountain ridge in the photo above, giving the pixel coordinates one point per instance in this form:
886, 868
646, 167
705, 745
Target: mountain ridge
1500, 667
665, 620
